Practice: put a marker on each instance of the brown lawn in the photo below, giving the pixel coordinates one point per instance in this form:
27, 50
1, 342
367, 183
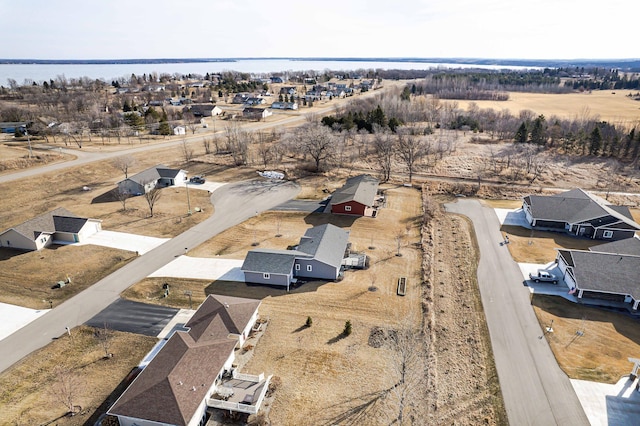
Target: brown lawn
31, 391
600, 353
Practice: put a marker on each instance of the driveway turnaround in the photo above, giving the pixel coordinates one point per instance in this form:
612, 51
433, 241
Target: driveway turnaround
535, 390
234, 203
134, 317
202, 268
124, 241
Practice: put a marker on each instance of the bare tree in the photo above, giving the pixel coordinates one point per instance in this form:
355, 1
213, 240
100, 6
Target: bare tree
191, 122
315, 140
152, 196
104, 336
124, 163
67, 387
206, 143
410, 149
186, 151
122, 195
384, 145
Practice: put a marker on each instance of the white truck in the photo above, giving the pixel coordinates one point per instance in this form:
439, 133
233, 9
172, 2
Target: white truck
544, 276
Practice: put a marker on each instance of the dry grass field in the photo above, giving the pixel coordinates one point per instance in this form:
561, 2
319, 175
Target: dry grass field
613, 106
600, 353
34, 390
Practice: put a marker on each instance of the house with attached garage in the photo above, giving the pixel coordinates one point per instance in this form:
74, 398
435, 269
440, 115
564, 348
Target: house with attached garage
358, 197
155, 177
256, 113
194, 372
577, 212
606, 274
57, 226
320, 254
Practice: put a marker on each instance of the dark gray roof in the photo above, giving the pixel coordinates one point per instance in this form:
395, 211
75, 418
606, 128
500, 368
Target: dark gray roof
153, 174
58, 220
170, 389
326, 243
362, 189
630, 246
269, 261
607, 272
578, 206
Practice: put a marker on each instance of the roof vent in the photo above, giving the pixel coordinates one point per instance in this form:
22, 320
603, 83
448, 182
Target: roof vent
193, 388
180, 383
226, 305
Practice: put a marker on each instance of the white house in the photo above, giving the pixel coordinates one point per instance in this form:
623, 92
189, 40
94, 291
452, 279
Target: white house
41, 231
179, 130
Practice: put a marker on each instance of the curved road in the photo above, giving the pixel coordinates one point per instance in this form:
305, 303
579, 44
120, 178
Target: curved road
234, 203
535, 390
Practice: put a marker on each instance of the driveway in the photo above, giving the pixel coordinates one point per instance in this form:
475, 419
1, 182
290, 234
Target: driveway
535, 390
514, 217
134, 317
201, 268
124, 241
309, 206
15, 317
234, 203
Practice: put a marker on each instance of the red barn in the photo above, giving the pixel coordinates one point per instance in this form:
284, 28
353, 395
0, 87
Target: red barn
357, 197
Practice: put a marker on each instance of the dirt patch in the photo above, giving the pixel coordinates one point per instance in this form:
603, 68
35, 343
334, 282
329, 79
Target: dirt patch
31, 392
588, 343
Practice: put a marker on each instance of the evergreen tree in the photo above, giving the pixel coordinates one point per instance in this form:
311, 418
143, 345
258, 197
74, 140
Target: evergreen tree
406, 94
538, 131
521, 134
595, 141
126, 107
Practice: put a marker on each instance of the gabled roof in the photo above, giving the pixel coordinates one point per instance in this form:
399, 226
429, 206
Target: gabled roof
578, 206
630, 246
170, 389
270, 261
152, 174
58, 220
606, 272
326, 243
361, 189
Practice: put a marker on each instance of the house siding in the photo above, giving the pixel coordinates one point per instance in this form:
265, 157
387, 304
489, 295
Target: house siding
618, 234
275, 279
13, 239
319, 270
357, 209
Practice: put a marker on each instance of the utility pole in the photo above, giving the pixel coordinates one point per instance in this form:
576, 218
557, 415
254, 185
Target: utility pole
186, 184
26, 132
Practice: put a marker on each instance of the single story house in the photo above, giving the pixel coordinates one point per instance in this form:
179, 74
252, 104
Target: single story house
606, 273
255, 101
179, 130
284, 105
288, 90
318, 255
358, 197
158, 176
41, 231
204, 110
276, 79
188, 373
256, 113
579, 213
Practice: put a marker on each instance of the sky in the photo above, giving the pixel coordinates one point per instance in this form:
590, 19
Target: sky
501, 29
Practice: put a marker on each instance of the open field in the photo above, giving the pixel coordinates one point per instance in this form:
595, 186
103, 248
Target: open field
600, 353
33, 391
613, 106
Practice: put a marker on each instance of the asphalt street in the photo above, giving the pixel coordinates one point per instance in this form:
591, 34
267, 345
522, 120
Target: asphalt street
535, 390
234, 203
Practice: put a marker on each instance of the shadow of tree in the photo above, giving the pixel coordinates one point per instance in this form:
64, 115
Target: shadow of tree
336, 339
358, 414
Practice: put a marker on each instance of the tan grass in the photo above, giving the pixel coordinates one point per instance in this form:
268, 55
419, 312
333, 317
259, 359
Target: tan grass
601, 353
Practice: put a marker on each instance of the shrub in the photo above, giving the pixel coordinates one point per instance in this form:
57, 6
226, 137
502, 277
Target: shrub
347, 328
308, 322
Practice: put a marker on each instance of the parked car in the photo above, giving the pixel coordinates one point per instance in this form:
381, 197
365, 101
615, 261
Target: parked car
544, 276
197, 179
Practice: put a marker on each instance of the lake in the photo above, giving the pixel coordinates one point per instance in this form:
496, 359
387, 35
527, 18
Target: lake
28, 73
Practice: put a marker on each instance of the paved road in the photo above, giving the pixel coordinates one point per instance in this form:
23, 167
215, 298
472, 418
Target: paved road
234, 203
535, 390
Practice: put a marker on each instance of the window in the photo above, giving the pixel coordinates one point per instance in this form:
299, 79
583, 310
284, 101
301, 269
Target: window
309, 268
297, 266
266, 276
607, 234
347, 208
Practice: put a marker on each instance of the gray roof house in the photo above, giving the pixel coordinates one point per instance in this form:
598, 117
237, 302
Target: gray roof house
604, 275
191, 372
356, 197
318, 255
579, 213
59, 225
158, 176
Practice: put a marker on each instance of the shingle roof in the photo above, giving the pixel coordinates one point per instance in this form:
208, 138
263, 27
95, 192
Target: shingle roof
154, 173
362, 189
577, 206
270, 261
60, 219
170, 389
608, 272
326, 243
630, 246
